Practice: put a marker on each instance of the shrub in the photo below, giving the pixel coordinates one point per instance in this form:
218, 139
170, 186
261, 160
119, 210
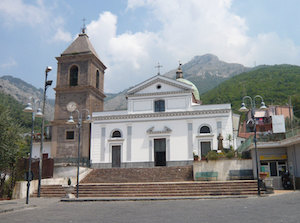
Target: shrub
230, 154
212, 155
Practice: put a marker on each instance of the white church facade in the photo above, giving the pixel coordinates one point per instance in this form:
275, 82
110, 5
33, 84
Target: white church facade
164, 124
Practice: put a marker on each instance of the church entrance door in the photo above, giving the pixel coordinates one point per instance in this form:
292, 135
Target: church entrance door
160, 152
116, 156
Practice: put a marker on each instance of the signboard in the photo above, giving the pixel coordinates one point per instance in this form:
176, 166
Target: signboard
273, 157
278, 124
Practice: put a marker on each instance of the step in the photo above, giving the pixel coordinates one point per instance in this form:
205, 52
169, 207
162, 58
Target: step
156, 174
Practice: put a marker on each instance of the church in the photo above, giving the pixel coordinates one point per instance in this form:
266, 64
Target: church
164, 125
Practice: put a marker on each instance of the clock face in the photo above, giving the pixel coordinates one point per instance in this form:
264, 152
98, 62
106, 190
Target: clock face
71, 106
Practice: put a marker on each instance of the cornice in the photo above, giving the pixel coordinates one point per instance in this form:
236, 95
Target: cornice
79, 89
159, 93
84, 55
161, 114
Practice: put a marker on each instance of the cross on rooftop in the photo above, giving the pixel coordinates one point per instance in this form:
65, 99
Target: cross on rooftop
83, 26
158, 68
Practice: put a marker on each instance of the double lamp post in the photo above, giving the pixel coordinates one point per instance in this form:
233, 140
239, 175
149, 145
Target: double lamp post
252, 122
72, 107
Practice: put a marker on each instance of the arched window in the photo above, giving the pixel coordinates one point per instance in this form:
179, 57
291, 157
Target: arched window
159, 106
204, 129
97, 79
116, 134
74, 76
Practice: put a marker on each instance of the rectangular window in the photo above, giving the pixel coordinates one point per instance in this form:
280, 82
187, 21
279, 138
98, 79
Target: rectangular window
159, 106
69, 135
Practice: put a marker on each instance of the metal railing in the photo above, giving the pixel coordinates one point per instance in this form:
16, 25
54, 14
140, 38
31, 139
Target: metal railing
269, 138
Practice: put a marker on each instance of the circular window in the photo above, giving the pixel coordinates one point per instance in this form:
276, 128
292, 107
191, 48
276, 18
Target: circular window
158, 86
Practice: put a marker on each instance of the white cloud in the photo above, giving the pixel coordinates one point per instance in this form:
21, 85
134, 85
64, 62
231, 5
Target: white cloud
132, 4
187, 28
34, 15
17, 11
11, 62
127, 55
61, 35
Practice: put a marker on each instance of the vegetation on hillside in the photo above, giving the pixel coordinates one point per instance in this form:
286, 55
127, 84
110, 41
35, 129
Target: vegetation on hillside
274, 83
16, 112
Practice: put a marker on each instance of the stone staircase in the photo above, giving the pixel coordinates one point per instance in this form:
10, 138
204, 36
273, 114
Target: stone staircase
51, 191
170, 189
135, 175
151, 182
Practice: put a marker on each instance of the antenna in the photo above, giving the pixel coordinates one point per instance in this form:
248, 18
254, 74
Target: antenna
158, 68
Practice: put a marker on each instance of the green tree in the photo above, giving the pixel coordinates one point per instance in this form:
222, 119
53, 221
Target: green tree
296, 105
12, 144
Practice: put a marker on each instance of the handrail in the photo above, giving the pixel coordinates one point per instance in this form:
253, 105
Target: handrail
269, 138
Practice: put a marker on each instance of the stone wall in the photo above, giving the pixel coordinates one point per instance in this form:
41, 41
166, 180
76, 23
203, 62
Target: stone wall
222, 167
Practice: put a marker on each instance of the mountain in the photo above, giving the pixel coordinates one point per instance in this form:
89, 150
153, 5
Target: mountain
115, 101
206, 72
274, 83
22, 91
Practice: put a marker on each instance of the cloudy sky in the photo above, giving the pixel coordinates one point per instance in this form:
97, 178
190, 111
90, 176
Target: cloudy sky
132, 36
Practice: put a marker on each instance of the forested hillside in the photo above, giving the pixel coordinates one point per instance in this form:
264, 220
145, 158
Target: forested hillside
17, 115
274, 83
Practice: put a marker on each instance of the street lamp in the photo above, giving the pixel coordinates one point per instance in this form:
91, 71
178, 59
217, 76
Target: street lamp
71, 107
243, 108
30, 108
47, 83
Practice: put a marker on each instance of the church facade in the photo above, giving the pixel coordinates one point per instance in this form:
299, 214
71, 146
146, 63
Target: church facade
164, 125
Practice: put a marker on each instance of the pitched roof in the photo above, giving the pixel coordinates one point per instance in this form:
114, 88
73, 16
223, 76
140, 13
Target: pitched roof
81, 45
156, 78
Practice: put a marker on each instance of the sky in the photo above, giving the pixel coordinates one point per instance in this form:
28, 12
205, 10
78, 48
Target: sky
132, 36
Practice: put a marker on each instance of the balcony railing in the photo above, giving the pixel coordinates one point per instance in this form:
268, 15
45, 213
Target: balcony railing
269, 138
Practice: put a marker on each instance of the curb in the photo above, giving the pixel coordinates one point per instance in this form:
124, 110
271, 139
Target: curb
86, 199
16, 208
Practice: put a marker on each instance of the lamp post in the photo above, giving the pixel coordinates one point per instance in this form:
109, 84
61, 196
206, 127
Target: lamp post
245, 109
71, 107
47, 83
38, 113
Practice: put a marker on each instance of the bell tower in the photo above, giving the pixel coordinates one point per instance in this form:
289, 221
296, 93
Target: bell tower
80, 79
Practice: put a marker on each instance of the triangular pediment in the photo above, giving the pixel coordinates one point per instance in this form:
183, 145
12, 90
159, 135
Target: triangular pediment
159, 84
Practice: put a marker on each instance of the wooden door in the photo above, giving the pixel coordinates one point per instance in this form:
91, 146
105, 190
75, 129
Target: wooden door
160, 152
116, 156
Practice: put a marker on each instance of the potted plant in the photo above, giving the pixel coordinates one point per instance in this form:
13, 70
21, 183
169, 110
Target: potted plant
196, 157
263, 175
203, 158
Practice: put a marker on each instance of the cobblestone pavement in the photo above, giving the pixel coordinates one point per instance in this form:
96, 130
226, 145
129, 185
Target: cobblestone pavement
277, 208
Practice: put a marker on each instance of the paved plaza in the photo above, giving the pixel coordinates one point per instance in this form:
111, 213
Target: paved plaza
276, 208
